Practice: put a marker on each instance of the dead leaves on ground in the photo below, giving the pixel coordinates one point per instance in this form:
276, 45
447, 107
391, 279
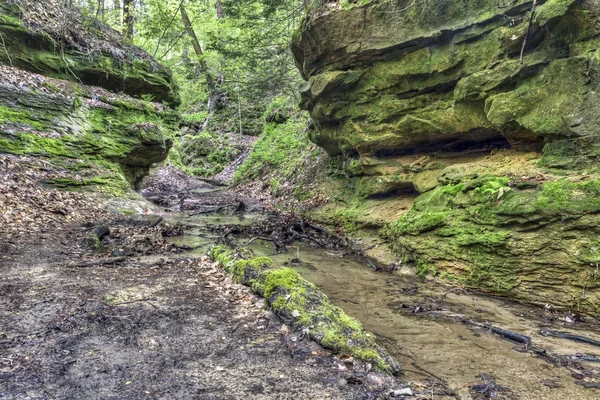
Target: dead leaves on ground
26, 206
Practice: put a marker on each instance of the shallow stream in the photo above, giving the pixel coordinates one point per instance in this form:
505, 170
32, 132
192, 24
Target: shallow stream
435, 330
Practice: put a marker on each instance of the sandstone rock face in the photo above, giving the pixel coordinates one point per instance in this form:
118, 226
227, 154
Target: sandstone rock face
68, 97
430, 100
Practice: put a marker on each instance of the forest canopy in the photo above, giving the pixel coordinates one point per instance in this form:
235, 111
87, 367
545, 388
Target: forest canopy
237, 47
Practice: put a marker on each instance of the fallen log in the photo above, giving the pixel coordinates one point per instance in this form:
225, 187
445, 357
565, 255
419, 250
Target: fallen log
510, 335
302, 305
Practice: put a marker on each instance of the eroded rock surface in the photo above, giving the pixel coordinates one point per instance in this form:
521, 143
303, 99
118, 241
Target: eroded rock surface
49, 60
431, 102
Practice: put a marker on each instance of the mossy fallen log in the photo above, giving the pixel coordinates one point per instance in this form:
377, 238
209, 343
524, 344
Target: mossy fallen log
301, 304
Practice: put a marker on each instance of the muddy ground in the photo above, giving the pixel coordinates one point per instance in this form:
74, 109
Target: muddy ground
138, 318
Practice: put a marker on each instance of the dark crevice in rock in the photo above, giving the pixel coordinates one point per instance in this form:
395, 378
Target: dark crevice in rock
402, 190
483, 140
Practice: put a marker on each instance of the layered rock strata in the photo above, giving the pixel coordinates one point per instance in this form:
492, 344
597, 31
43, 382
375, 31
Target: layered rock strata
430, 101
66, 94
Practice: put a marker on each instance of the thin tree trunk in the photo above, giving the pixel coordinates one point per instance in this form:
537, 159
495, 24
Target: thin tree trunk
100, 13
219, 8
196, 43
192, 34
162, 35
128, 19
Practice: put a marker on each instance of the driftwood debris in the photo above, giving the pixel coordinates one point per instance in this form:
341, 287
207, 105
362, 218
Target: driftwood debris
510, 335
98, 261
566, 335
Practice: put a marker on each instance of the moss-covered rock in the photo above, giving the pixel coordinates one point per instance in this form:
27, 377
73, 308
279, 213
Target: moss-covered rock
302, 305
118, 135
89, 52
65, 94
448, 73
415, 100
535, 241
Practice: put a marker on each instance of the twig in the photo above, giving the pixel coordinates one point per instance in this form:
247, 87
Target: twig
99, 261
566, 335
266, 239
544, 354
481, 347
167, 28
316, 228
528, 30
454, 289
312, 239
158, 221
414, 364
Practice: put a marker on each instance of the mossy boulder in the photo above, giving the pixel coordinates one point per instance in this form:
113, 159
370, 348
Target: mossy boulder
535, 241
81, 98
116, 136
432, 76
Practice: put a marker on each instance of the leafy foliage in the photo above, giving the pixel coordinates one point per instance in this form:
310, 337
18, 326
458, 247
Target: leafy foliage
282, 147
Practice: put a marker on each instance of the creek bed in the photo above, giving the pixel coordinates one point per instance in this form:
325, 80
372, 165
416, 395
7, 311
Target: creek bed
428, 326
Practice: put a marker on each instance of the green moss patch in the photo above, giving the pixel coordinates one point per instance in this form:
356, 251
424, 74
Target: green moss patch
507, 237
301, 304
281, 147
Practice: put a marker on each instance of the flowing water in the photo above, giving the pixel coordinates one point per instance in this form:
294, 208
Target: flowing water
435, 330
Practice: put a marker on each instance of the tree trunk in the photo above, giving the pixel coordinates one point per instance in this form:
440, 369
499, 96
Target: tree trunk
219, 8
128, 18
192, 34
196, 43
100, 13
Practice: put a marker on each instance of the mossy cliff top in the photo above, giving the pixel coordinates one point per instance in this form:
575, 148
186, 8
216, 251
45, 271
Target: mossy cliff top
391, 80
73, 92
44, 37
479, 167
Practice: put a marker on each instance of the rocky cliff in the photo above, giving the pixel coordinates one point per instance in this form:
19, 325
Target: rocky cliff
492, 162
72, 92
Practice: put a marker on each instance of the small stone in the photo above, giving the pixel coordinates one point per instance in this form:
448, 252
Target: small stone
403, 392
295, 313
376, 379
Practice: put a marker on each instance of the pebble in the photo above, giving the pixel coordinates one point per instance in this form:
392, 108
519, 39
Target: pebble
403, 392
